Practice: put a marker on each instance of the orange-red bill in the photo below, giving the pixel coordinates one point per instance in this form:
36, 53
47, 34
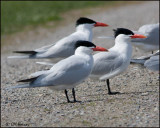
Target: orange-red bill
97, 48
98, 24
138, 36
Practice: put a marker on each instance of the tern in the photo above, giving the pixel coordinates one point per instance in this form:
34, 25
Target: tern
67, 73
150, 43
64, 47
112, 63
151, 61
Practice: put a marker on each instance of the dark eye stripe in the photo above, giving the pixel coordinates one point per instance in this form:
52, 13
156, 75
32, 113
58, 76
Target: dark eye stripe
122, 31
84, 43
83, 20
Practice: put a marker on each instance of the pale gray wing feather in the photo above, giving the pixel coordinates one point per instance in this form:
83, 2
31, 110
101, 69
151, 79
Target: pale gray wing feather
137, 61
142, 59
44, 48
149, 28
105, 63
45, 63
63, 48
152, 33
152, 63
66, 72
37, 73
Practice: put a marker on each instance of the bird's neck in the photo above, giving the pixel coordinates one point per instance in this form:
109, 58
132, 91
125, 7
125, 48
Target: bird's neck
124, 47
85, 53
86, 30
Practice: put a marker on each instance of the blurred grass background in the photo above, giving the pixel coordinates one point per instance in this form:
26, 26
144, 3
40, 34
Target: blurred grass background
15, 15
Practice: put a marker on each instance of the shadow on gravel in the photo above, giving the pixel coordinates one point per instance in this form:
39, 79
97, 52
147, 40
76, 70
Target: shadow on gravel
82, 102
121, 93
105, 98
137, 93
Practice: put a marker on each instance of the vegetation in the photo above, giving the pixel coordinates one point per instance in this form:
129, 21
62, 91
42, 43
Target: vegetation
15, 15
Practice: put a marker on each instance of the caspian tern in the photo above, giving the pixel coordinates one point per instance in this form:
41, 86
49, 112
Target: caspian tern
64, 47
151, 61
116, 60
150, 43
67, 73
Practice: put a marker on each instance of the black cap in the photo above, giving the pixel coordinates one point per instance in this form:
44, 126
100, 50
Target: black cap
122, 31
83, 20
84, 43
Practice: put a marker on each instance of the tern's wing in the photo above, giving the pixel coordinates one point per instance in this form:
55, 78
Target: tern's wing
157, 53
107, 37
63, 48
106, 64
152, 63
44, 48
59, 50
137, 61
61, 41
152, 33
149, 28
69, 71
45, 63
142, 59
36, 74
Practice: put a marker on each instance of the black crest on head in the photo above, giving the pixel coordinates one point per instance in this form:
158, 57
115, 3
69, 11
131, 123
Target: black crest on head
122, 31
83, 20
84, 43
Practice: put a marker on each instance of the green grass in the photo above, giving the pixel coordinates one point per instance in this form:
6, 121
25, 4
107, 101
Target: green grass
15, 15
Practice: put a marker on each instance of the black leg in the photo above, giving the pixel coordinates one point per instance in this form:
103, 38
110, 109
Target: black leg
152, 52
65, 91
74, 96
109, 90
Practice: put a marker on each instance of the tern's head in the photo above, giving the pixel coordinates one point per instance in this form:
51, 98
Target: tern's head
87, 47
89, 23
126, 34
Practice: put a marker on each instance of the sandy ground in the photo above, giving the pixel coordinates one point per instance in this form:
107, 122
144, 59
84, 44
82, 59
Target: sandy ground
137, 105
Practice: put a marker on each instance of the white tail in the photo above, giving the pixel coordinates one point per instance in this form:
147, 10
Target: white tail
138, 61
19, 86
108, 37
18, 57
45, 63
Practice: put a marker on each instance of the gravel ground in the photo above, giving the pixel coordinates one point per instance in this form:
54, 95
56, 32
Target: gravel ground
136, 106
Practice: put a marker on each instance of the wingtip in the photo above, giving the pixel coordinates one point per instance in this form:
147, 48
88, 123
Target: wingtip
18, 57
45, 63
9, 88
9, 57
107, 37
18, 86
